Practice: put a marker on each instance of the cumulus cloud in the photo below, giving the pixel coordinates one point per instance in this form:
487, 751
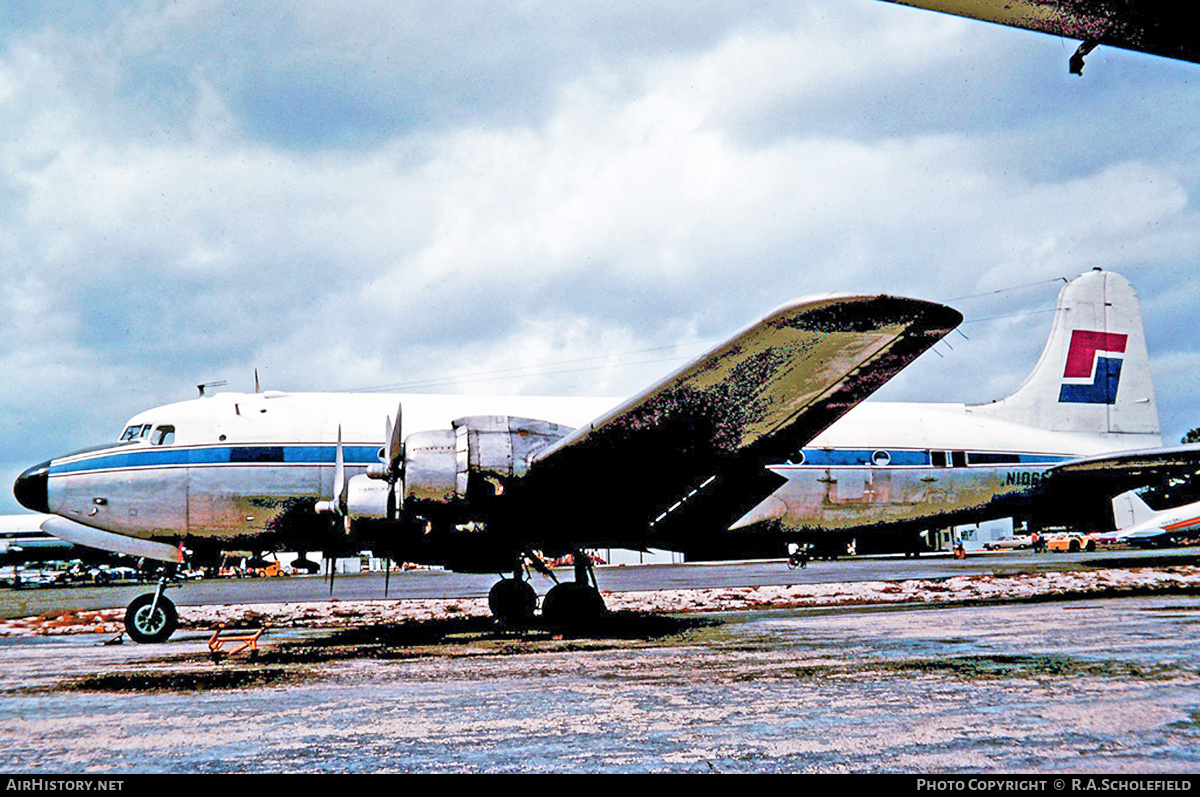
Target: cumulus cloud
548, 198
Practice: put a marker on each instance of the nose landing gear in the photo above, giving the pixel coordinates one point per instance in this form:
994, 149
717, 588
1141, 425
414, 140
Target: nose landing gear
152, 617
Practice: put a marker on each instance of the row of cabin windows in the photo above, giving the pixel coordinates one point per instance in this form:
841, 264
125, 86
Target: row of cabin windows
164, 435
161, 435
937, 459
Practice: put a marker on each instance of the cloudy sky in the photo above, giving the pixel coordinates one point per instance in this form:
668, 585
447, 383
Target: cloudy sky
555, 198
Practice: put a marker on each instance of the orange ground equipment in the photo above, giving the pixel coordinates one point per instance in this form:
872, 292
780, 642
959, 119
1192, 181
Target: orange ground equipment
248, 640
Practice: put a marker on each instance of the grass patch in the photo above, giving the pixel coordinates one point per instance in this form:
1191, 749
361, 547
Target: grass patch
192, 680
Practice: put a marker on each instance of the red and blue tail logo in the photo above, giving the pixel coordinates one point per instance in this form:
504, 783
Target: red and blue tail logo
1091, 358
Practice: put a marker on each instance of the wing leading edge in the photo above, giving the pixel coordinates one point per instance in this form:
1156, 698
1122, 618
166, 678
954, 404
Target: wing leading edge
1148, 26
693, 447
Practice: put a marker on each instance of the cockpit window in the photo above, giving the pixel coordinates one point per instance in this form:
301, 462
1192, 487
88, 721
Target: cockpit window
135, 431
163, 436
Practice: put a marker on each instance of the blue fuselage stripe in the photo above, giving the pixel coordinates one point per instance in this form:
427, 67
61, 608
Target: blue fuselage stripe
219, 455
358, 455
860, 458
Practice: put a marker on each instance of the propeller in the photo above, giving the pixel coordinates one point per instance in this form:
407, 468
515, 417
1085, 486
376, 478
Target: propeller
392, 472
331, 562
392, 469
395, 444
337, 506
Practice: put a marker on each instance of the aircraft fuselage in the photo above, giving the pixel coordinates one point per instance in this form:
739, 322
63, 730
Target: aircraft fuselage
247, 470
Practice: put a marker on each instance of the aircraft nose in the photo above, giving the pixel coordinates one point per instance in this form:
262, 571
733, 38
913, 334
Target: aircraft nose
31, 488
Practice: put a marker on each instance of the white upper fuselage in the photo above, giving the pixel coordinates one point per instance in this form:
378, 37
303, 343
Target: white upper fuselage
275, 417
316, 418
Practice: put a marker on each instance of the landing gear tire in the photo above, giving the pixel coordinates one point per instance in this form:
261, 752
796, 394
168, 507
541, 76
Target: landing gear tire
512, 601
572, 603
144, 625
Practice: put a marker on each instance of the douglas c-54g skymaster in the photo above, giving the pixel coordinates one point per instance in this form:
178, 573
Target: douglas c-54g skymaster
761, 442
483, 485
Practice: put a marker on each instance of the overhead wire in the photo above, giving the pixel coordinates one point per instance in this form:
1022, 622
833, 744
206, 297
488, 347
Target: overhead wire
604, 360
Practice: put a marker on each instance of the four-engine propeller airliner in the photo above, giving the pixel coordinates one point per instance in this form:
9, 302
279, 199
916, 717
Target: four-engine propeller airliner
483, 485
762, 441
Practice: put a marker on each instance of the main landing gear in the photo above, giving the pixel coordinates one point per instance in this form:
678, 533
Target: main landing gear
575, 602
152, 617
513, 601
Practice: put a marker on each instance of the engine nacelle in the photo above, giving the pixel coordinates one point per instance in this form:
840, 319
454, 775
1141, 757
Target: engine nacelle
369, 498
474, 460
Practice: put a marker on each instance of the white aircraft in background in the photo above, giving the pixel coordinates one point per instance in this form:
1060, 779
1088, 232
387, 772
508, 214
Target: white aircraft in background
761, 442
1137, 524
23, 540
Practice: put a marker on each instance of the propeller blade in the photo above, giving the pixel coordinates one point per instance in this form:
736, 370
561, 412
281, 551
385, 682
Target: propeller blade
395, 444
386, 451
339, 474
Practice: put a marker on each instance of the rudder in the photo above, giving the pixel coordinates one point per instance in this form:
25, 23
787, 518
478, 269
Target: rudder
1094, 375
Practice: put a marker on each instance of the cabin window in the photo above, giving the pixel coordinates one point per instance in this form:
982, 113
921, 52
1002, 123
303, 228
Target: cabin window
958, 459
987, 458
937, 459
256, 454
881, 458
135, 431
163, 436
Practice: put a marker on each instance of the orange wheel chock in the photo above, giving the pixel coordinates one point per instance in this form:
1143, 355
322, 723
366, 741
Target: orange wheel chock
248, 640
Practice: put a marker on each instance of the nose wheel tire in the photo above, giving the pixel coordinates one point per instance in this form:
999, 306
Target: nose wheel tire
145, 622
512, 601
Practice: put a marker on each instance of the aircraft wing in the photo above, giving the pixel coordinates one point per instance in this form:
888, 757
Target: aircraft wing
693, 447
1079, 491
1148, 26
1135, 468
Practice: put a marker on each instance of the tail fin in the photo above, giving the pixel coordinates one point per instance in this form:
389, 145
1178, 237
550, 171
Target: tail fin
1094, 374
1129, 510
